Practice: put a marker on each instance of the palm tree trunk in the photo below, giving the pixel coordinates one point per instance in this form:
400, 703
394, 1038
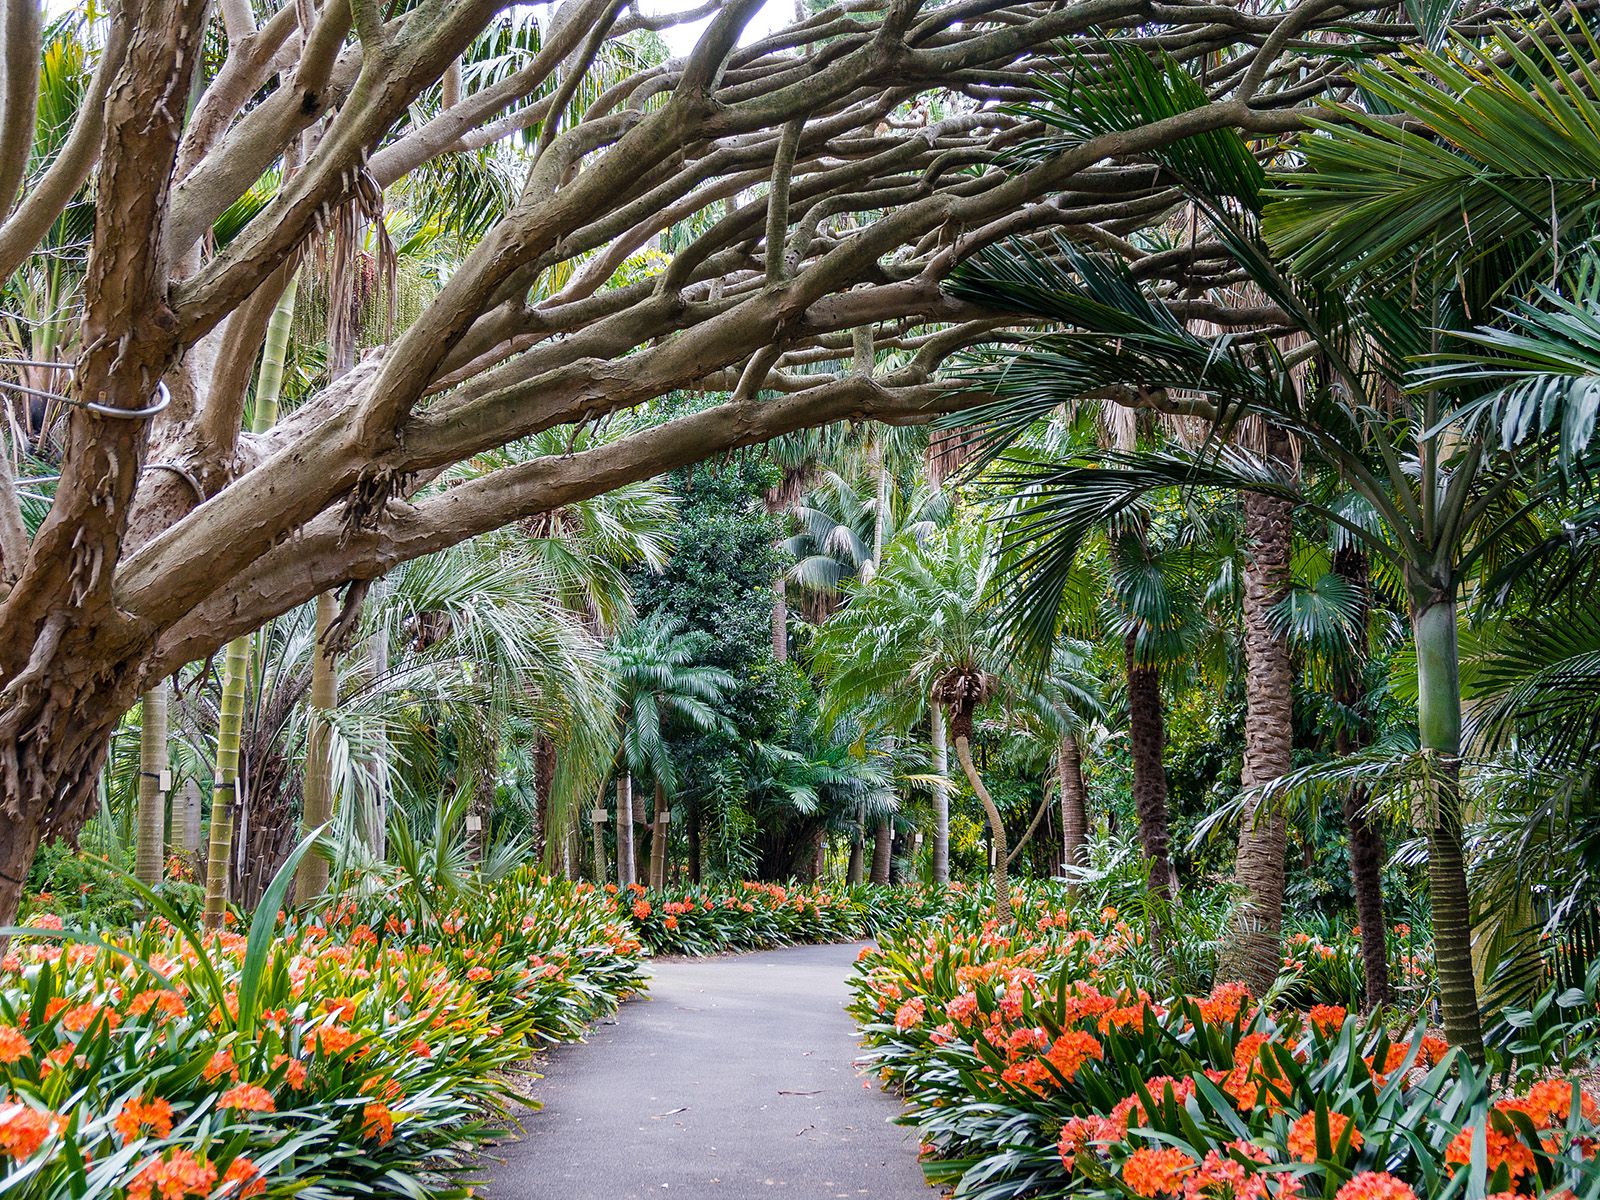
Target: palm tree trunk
153, 763
236, 660
1433, 625
780, 619
857, 868
1074, 803
1147, 737
941, 796
597, 822
1254, 951
544, 782
1366, 842
378, 835
626, 873
695, 864
997, 825
311, 879
225, 789
658, 840
882, 850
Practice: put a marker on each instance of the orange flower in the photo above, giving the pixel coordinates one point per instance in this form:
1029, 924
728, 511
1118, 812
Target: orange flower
242, 1178
421, 1049
910, 1014
1071, 1050
180, 1175
78, 1019
1327, 1018
220, 1064
1504, 1150
1375, 1185
23, 1129
13, 1045
163, 1000
1303, 1135
294, 1073
479, 974
248, 1097
377, 1122
641, 910
138, 1115
335, 1039
1157, 1172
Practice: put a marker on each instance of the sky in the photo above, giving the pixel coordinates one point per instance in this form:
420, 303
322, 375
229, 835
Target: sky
681, 38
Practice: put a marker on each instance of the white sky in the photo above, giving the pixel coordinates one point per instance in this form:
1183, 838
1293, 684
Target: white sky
774, 14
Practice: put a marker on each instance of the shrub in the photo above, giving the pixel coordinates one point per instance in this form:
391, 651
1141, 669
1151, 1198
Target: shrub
356, 1053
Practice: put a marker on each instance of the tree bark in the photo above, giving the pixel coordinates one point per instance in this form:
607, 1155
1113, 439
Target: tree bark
997, 825
659, 837
1147, 739
780, 619
602, 870
695, 864
1433, 624
1254, 951
544, 781
1365, 839
153, 763
225, 800
311, 878
626, 870
1074, 804
941, 796
882, 851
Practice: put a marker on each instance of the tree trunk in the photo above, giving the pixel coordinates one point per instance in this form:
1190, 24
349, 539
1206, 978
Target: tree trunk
485, 784
1147, 738
780, 619
941, 796
544, 782
597, 824
153, 763
626, 873
311, 879
658, 840
225, 800
225, 789
882, 850
695, 864
997, 825
1254, 951
1433, 624
856, 871
1366, 842
1074, 804
378, 834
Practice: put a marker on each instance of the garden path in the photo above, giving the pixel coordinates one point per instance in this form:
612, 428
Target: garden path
732, 1079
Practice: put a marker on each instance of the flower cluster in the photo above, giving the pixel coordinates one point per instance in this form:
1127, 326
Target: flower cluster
358, 1044
752, 916
1035, 1065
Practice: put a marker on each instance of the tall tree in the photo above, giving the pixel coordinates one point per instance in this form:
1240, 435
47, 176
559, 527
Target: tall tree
135, 572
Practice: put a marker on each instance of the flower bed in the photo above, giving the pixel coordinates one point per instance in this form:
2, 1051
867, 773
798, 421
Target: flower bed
752, 916
360, 1053
1035, 1065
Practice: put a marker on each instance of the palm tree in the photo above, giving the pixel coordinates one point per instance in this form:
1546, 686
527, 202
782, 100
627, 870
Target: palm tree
916, 641
658, 684
225, 794
1443, 500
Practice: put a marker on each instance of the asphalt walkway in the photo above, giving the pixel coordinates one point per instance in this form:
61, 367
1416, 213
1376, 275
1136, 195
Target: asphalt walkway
732, 1079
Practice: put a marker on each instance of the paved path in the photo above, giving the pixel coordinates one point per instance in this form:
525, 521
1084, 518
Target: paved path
732, 1079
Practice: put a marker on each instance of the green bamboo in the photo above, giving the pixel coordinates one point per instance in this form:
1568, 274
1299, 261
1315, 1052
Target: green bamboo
236, 661
1433, 624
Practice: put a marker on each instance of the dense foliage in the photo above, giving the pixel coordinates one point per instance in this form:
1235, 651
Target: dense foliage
1081, 1054
359, 1050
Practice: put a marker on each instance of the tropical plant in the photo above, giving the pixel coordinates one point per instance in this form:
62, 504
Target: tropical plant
658, 684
